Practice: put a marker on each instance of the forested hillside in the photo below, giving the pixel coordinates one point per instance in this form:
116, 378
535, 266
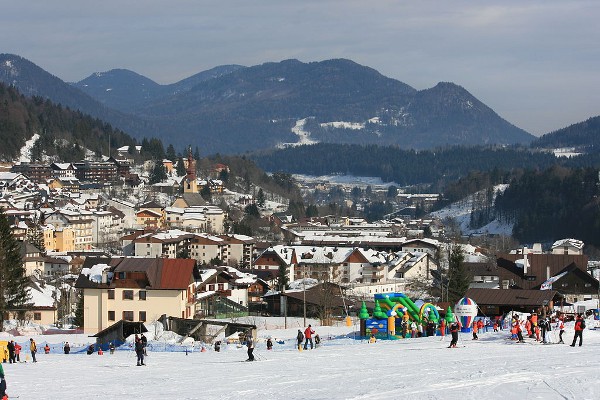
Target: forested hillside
64, 133
551, 204
405, 167
584, 135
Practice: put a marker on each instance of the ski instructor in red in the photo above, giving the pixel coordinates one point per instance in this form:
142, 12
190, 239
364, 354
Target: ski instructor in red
308, 332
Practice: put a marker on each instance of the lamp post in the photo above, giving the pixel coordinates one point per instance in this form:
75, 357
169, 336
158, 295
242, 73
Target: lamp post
304, 293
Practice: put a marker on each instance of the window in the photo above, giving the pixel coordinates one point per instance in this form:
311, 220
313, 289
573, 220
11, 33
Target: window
221, 286
128, 315
37, 316
121, 275
211, 287
142, 316
111, 315
127, 294
142, 296
111, 294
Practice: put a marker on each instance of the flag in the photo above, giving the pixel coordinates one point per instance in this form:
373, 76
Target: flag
548, 284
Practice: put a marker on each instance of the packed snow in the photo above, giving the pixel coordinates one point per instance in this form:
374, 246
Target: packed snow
342, 367
303, 136
25, 153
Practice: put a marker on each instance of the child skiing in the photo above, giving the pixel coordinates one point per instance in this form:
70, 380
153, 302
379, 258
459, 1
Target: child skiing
300, 338
561, 327
454, 332
250, 345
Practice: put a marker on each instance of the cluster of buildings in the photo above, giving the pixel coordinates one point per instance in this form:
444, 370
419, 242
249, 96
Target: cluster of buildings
141, 261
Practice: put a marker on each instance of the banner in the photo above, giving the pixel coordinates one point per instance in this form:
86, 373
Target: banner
548, 284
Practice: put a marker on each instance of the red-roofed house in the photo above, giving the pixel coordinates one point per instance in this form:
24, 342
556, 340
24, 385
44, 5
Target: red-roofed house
136, 289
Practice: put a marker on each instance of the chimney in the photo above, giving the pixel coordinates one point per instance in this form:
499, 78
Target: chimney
547, 272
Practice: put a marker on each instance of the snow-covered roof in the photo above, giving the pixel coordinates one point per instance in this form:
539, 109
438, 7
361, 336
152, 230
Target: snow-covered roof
42, 296
94, 273
578, 244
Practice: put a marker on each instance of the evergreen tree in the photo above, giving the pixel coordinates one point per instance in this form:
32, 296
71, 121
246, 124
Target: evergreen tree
171, 154
35, 236
14, 293
392, 192
78, 320
260, 198
458, 279
159, 173
312, 211
180, 167
282, 278
197, 154
224, 176
252, 210
206, 193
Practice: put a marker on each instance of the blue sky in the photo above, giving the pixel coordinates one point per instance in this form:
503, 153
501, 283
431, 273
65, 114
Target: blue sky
536, 63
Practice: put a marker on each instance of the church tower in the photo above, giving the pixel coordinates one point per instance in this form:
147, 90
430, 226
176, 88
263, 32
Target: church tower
190, 183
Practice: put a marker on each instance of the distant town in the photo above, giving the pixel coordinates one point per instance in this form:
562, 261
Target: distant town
98, 237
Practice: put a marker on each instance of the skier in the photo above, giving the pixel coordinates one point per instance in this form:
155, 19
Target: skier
561, 327
442, 329
111, 348
18, 351
32, 348
300, 338
308, 332
46, 349
218, 346
90, 349
67, 348
139, 351
579, 327
11, 352
517, 328
250, 345
528, 327
269, 344
454, 332
543, 328
475, 328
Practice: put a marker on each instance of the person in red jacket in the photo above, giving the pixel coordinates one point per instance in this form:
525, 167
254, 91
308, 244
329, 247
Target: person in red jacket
308, 332
579, 326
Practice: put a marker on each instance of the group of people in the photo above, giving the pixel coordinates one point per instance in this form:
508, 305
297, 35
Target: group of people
14, 356
307, 337
539, 328
14, 352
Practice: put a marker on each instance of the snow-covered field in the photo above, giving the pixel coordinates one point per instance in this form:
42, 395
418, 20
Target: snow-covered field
342, 368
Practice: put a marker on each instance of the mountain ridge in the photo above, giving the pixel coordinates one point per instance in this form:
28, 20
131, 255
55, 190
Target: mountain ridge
242, 109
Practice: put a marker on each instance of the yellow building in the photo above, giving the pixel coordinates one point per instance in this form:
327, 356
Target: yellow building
136, 289
59, 239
